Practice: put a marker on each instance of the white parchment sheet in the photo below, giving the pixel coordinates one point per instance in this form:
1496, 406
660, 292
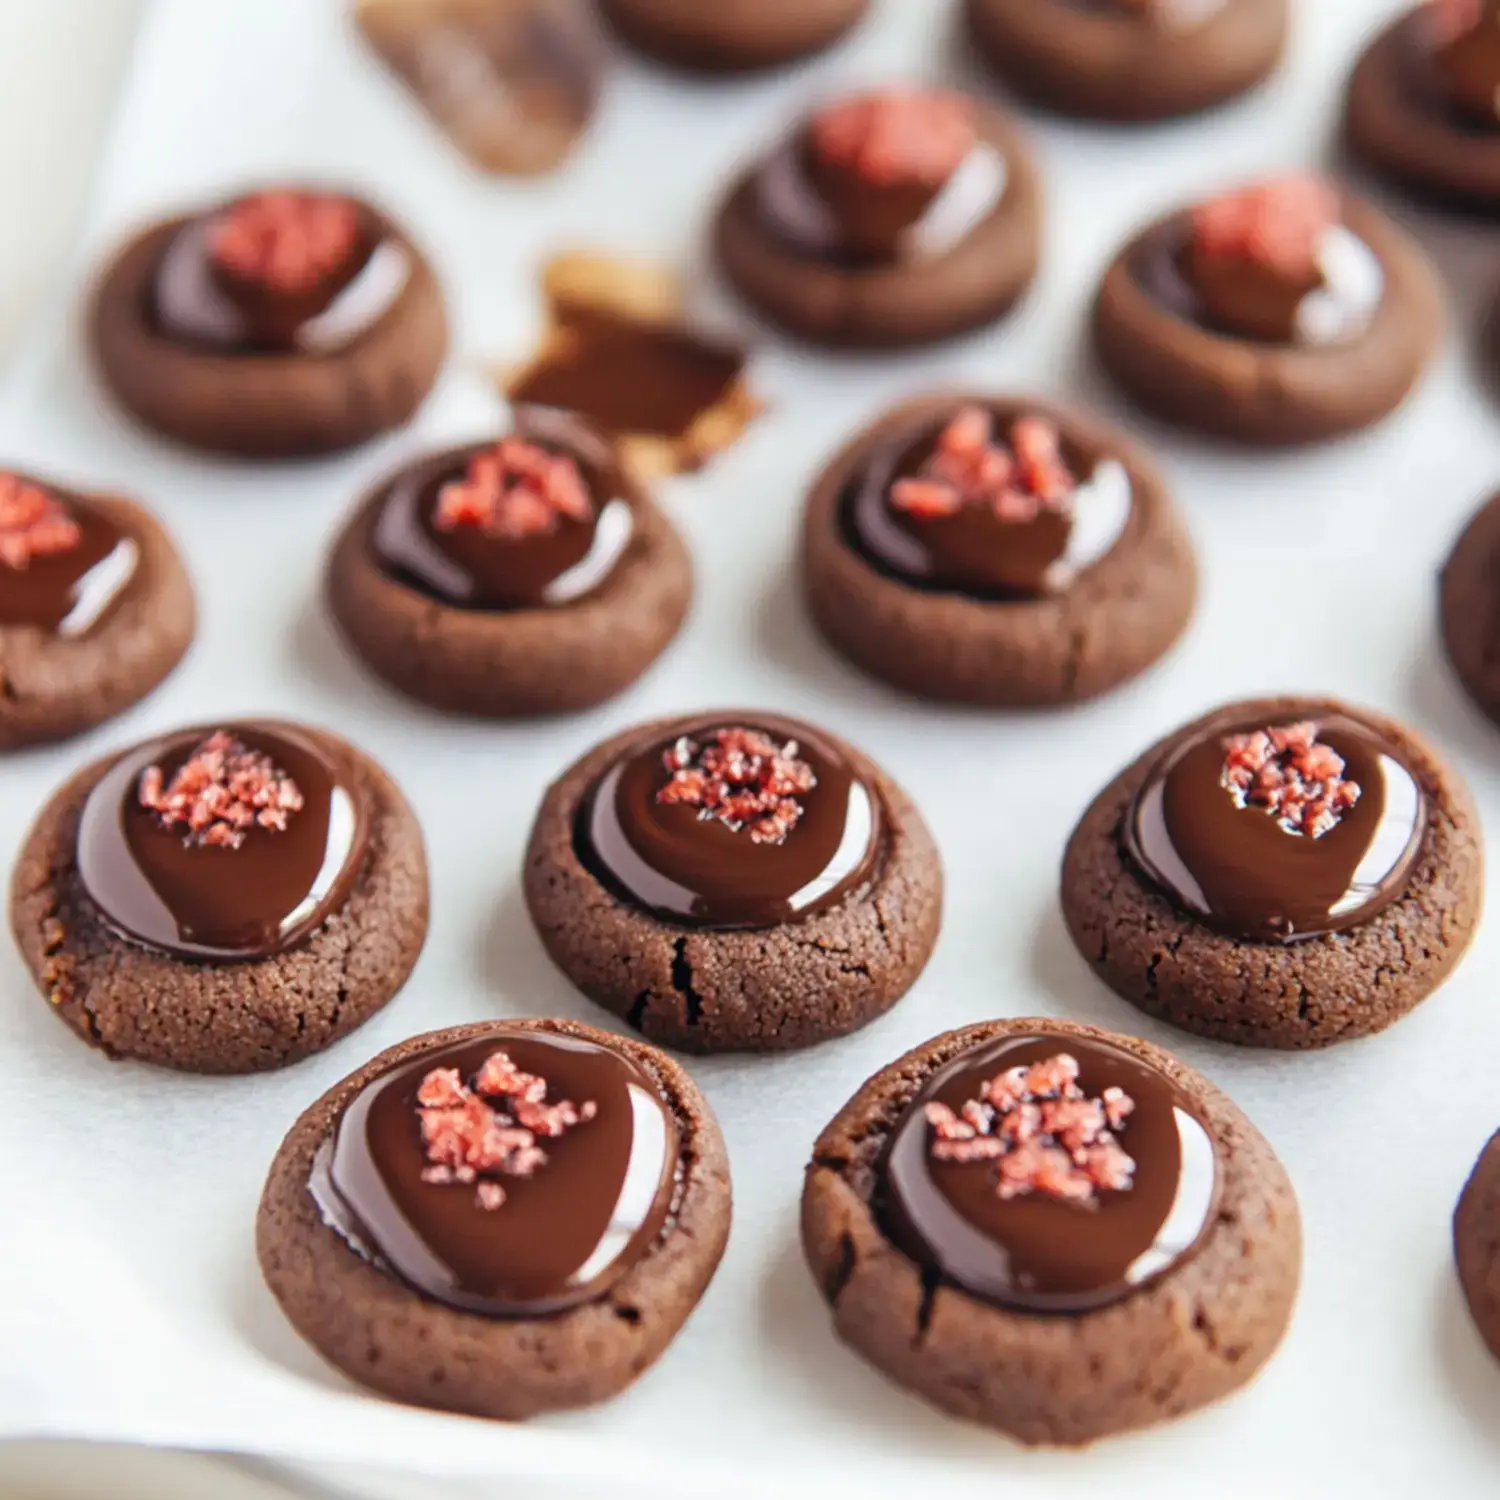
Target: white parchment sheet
130, 1306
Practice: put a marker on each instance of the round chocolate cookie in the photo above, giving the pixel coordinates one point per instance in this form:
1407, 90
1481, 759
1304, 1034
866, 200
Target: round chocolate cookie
1423, 107
1469, 606
1289, 872
1287, 312
997, 551
95, 608
1052, 1230
281, 324
528, 575
225, 899
1130, 60
500, 1219
890, 218
732, 36
1476, 1243
734, 881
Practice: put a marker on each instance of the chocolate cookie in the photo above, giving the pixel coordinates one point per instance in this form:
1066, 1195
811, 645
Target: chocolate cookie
1469, 604
886, 219
280, 324
528, 575
734, 881
1289, 872
732, 36
223, 899
500, 1219
999, 551
1287, 312
1130, 60
1423, 107
95, 608
1476, 1243
1052, 1230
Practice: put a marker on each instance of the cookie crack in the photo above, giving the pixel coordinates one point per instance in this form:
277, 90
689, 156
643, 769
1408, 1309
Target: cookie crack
931, 1281
682, 982
636, 1015
841, 1273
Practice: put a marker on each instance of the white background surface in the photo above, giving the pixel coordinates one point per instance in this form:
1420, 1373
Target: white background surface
131, 1304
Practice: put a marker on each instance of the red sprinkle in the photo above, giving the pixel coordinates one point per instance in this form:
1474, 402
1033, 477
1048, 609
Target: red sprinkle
1041, 1131
1291, 776
490, 1127
1278, 225
286, 241
221, 792
33, 523
967, 468
897, 136
514, 490
741, 777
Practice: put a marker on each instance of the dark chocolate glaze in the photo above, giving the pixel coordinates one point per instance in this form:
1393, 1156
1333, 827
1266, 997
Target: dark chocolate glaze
701, 873
833, 214
562, 1237
1035, 1253
68, 593
195, 303
1237, 869
211, 903
467, 568
975, 553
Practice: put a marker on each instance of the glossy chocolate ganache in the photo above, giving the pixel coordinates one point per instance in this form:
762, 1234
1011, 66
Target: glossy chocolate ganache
1048, 1174
516, 1174
991, 501
732, 821
1278, 832
537, 518
228, 843
890, 177
283, 272
63, 562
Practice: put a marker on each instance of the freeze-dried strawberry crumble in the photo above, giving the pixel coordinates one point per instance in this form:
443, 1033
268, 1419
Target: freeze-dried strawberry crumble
220, 793
513, 491
1278, 226
285, 241
967, 466
1042, 1133
741, 777
898, 136
33, 523
475, 1131
1285, 772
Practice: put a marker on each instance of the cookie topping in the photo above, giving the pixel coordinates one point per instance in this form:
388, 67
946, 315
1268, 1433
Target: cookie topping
33, 523
1466, 40
1277, 226
513, 491
285, 241
966, 467
221, 792
742, 778
1007, 1177
1452, 18
490, 1128
897, 136
557, 1200
1286, 772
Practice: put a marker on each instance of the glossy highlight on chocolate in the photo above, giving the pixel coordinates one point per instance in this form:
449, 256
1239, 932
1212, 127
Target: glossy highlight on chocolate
156, 884
470, 567
562, 1236
1242, 871
687, 866
1036, 1252
976, 552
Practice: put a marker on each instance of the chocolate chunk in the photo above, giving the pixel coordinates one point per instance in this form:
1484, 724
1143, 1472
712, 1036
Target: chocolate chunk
512, 83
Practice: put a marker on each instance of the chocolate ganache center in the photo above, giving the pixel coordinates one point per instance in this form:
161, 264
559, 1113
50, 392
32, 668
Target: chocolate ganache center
226, 844
516, 1175
1283, 831
63, 562
730, 822
537, 519
1048, 1174
279, 272
991, 502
